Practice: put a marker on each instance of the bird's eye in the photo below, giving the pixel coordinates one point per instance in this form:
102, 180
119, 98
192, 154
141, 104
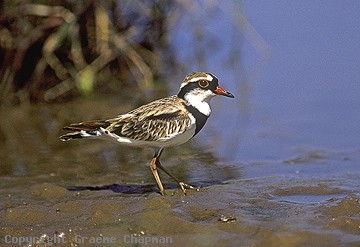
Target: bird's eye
203, 83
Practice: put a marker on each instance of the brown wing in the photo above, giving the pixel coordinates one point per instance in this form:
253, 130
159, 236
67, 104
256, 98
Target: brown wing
161, 119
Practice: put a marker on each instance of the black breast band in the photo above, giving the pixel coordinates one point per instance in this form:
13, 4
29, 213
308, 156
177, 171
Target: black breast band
200, 118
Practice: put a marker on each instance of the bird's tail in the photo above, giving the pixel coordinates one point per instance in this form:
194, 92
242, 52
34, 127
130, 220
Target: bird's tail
85, 129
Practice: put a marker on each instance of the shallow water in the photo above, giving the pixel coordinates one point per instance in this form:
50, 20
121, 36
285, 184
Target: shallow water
73, 192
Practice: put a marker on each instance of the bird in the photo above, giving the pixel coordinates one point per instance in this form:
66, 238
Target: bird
160, 124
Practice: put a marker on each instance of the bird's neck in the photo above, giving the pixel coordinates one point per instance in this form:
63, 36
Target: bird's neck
199, 101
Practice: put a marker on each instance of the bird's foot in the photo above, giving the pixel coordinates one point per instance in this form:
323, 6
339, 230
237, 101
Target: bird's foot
184, 187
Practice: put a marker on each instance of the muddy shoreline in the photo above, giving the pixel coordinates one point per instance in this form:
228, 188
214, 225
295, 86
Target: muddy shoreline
232, 213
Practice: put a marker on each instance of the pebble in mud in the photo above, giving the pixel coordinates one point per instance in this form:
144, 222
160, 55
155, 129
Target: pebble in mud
227, 218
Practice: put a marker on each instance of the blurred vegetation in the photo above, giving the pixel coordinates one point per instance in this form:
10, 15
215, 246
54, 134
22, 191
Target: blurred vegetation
51, 50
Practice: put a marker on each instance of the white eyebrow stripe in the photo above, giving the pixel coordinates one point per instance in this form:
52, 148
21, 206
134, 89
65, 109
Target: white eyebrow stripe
208, 77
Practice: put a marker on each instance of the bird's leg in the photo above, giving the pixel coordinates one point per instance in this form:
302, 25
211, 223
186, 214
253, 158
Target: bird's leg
182, 185
153, 168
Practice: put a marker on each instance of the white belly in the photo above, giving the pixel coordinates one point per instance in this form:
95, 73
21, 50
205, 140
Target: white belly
164, 142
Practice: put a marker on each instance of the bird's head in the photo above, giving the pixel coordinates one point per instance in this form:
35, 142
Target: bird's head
201, 86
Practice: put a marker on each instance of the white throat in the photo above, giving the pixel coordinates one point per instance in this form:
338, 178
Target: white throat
200, 100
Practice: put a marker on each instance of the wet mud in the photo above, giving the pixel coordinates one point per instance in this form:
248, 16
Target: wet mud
238, 212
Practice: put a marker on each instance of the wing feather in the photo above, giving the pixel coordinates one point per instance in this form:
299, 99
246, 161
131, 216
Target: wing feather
158, 120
